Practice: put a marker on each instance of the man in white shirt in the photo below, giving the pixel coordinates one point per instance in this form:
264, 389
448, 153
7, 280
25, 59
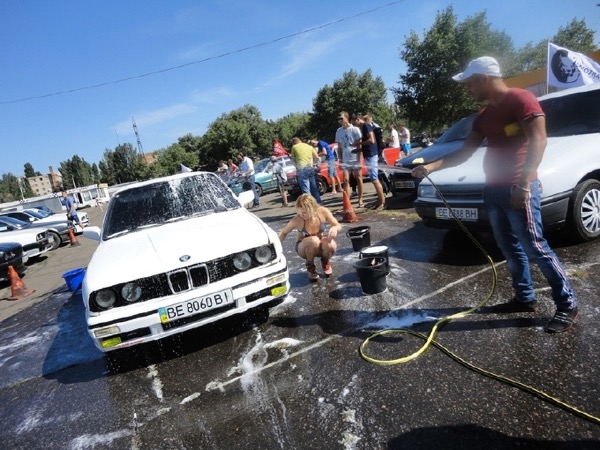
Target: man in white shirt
393, 140
246, 169
345, 136
404, 140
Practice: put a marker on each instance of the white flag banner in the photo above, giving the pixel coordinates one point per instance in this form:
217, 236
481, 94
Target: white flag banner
567, 69
185, 168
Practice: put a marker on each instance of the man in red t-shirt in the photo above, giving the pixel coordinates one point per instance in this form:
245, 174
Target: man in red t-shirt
515, 126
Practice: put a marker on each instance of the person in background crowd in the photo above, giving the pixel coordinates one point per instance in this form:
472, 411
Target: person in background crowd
314, 239
345, 136
515, 127
393, 140
323, 149
281, 177
369, 149
405, 140
71, 210
232, 169
222, 167
247, 170
303, 157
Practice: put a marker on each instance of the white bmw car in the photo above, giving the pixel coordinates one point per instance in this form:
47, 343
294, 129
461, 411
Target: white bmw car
177, 253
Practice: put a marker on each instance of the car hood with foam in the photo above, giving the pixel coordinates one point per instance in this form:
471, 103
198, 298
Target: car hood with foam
160, 249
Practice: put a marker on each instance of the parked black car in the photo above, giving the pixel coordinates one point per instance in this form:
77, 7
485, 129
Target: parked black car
402, 183
11, 254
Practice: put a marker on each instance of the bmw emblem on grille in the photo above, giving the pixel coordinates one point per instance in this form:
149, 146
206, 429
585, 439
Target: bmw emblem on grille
184, 258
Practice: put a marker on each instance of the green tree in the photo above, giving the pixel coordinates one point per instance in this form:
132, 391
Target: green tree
576, 36
9, 188
242, 129
168, 160
76, 172
355, 93
293, 124
123, 165
29, 172
427, 93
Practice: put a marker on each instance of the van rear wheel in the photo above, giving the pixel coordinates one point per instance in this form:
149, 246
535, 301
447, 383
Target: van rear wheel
583, 217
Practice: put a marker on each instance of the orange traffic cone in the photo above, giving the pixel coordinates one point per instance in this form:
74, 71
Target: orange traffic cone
72, 238
17, 287
348, 215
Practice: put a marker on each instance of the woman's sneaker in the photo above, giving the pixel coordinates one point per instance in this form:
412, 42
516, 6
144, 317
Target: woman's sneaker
563, 320
312, 272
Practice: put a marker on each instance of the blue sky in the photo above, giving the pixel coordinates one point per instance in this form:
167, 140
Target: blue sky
187, 62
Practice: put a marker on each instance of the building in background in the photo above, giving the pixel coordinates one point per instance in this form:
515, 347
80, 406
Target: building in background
45, 184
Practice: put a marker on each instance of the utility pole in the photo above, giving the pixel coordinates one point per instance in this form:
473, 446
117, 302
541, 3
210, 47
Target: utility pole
139, 142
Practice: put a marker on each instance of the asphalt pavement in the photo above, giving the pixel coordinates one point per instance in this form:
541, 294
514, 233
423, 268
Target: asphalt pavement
298, 379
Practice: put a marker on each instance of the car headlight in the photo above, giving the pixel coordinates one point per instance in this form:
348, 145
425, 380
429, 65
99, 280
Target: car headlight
131, 292
263, 254
427, 191
1, 255
242, 261
105, 298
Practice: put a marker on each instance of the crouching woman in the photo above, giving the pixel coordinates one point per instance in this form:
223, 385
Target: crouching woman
317, 230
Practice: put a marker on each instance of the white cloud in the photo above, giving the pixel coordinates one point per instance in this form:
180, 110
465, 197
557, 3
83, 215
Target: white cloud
158, 116
307, 51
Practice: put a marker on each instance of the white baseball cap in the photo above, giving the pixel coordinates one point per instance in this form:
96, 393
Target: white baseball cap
485, 65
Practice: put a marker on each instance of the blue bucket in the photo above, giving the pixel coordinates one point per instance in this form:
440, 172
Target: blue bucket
74, 279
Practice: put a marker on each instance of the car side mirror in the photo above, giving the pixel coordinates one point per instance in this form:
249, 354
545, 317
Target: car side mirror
92, 233
245, 197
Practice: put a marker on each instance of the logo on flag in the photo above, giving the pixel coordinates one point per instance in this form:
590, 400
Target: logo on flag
278, 149
570, 69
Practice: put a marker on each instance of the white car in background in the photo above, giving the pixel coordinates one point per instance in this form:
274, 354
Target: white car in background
569, 173
35, 241
177, 253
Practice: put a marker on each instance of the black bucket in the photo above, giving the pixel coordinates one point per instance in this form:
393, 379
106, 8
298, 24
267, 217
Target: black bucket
374, 251
360, 237
372, 274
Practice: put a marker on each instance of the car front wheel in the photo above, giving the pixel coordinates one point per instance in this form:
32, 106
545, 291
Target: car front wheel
584, 211
56, 239
322, 185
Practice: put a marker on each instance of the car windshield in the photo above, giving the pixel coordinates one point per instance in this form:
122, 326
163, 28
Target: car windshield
572, 114
167, 201
7, 220
40, 214
459, 131
261, 165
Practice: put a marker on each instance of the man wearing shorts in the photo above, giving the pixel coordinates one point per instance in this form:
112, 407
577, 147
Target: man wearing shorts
345, 136
368, 145
323, 149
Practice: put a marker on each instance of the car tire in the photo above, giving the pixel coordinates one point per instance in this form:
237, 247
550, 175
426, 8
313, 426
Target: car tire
583, 223
258, 189
56, 240
322, 185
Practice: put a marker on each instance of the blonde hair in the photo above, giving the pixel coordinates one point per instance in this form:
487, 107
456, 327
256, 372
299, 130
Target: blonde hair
309, 204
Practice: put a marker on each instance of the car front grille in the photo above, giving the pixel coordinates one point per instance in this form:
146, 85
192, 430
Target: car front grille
188, 278
457, 192
181, 280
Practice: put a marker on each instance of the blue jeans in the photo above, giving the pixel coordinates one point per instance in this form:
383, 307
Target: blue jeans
307, 182
519, 234
252, 182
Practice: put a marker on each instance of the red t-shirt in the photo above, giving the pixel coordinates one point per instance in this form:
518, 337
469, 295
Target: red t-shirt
507, 144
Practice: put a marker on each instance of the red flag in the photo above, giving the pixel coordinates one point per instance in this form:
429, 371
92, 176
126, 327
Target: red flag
278, 149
